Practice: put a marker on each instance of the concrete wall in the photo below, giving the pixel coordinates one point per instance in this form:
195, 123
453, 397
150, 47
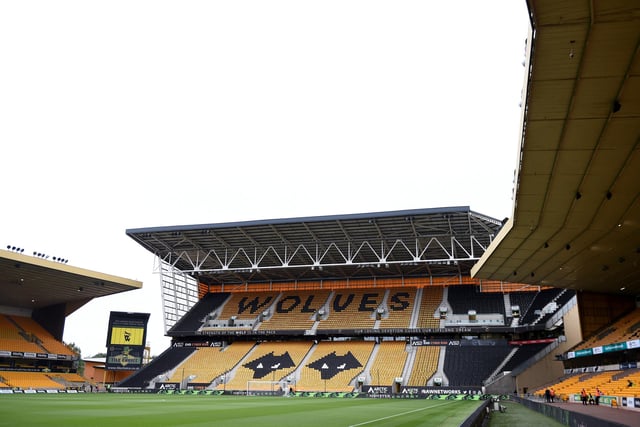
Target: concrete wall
549, 369
504, 385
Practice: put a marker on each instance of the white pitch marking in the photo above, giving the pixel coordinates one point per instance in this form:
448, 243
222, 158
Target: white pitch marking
399, 415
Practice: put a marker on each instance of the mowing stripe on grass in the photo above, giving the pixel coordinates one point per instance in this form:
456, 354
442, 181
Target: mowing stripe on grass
400, 414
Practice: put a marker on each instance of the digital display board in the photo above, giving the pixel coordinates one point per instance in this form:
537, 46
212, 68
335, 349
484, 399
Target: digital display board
126, 339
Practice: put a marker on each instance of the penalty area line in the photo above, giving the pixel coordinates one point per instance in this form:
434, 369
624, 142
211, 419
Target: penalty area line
399, 415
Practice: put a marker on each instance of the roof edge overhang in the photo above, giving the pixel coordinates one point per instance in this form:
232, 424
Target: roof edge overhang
69, 269
297, 220
502, 234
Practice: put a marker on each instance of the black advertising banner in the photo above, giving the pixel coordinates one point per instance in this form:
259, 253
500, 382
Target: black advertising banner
126, 339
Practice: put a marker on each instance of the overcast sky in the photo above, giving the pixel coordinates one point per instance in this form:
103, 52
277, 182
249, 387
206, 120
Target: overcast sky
129, 114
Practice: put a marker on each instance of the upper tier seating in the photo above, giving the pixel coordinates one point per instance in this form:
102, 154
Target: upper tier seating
8, 329
541, 299
20, 345
42, 336
561, 299
464, 298
625, 329
24, 334
357, 308
194, 319
522, 299
296, 310
352, 309
399, 308
246, 308
429, 306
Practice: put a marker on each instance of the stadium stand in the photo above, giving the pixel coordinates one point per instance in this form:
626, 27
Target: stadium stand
31, 358
225, 365
207, 364
431, 299
522, 354
273, 361
541, 300
70, 381
614, 382
244, 310
463, 298
389, 362
199, 314
355, 308
425, 365
37, 293
165, 362
398, 308
11, 338
204, 357
29, 380
333, 366
523, 300
32, 331
326, 314
624, 329
296, 310
471, 365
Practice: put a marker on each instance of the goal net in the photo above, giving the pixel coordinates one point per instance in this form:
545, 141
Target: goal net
263, 387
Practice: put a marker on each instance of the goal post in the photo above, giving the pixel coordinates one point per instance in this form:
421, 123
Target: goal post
255, 387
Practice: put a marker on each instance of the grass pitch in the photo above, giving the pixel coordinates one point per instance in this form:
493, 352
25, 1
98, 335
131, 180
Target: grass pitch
96, 410
519, 415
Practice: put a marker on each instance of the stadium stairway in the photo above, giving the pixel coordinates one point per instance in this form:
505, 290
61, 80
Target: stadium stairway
26, 336
507, 307
440, 371
540, 300
170, 373
445, 300
383, 305
367, 366
229, 376
161, 364
502, 364
560, 299
416, 309
296, 373
408, 366
324, 307
200, 314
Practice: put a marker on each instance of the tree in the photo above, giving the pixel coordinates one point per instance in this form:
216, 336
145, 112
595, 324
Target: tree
73, 347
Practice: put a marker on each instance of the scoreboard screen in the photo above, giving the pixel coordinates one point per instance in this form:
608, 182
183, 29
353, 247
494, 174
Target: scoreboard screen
126, 339
127, 336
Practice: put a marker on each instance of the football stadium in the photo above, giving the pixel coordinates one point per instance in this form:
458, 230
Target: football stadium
433, 316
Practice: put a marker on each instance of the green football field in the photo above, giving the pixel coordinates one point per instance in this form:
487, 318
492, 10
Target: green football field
95, 410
